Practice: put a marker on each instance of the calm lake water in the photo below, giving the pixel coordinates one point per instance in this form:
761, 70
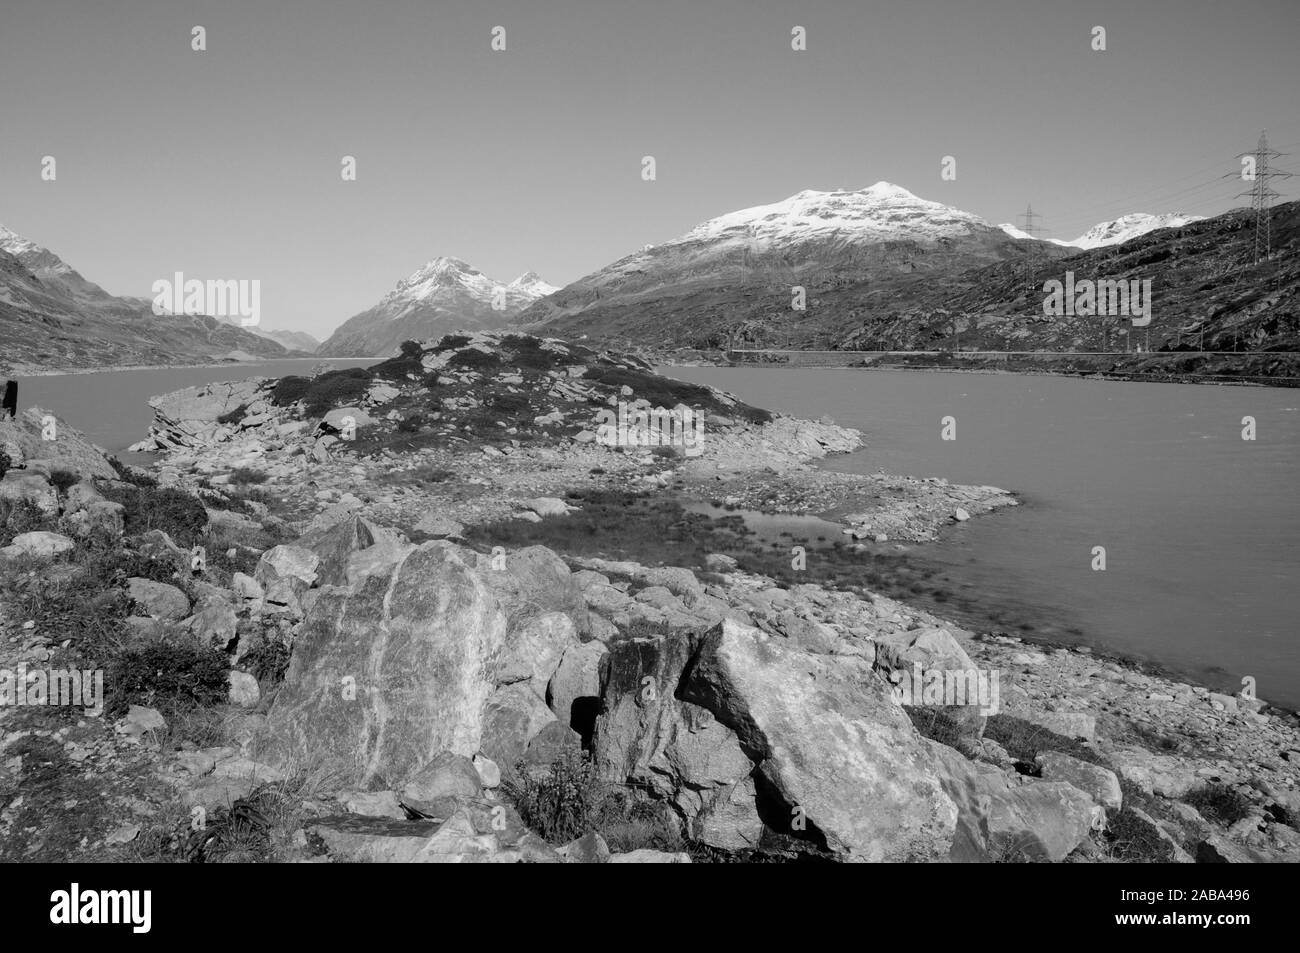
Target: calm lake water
1201, 528
112, 407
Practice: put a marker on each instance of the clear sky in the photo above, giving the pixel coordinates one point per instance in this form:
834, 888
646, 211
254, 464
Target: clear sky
226, 163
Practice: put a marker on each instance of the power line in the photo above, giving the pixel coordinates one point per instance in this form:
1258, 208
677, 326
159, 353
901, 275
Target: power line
1262, 193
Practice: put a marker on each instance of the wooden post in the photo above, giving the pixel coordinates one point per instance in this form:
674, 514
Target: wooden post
10, 405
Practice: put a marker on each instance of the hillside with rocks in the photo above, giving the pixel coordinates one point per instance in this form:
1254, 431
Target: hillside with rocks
428, 612
51, 318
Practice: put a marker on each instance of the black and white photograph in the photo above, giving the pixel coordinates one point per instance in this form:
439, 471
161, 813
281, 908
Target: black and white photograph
678, 432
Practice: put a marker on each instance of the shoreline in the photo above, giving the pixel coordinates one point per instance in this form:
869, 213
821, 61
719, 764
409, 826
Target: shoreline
67, 372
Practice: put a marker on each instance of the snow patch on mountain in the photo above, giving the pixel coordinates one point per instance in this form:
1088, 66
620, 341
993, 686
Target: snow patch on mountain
1115, 232
883, 212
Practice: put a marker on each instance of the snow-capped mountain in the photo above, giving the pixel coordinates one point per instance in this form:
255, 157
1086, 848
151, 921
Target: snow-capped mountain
441, 296
1131, 226
49, 267
697, 283
1117, 231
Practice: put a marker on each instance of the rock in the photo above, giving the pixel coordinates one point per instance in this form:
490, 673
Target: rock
287, 562
1167, 776
216, 625
548, 506
439, 527
588, 849
489, 774
244, 690
158, 599
69, 450
999, 820
555, 742
33, 489
1070, 724
372, 804
960, 515
720, 562
1100, 784
809, 635
38, 545
248, 591
446, 775
440, 653
574, 690
337, 418
335, 545
123, 835
139, 722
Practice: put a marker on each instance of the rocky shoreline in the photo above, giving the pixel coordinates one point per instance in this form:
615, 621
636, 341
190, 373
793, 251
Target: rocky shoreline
418, 639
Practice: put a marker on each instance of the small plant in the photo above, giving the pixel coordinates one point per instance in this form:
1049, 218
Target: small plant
170, 676
562, 805
267, 662
290, 390
450, 342
474, 359
1220, 803
411, 424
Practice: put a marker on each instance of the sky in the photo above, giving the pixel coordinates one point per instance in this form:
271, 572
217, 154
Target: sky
226, 163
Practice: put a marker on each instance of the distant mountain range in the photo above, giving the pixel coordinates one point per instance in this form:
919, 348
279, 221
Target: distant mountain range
741, 267
1115, 232
51, 317
882, 269
444, 295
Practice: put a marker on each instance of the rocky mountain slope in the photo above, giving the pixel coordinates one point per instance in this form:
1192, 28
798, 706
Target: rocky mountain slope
741, 267
444, 295
1205, 285
290, 340
52, 317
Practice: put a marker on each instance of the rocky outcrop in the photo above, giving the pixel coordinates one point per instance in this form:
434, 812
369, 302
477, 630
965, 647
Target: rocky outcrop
733, 722
419, 651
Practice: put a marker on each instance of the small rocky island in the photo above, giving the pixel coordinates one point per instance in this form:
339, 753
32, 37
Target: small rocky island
441, 610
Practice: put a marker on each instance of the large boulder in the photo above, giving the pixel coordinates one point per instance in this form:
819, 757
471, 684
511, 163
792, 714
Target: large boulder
60, 446
38, 545
737, 729
30, 488
1003, 818
441, 651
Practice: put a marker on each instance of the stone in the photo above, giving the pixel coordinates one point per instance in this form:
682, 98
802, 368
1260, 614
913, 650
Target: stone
588, 849
548, 506
445, 775
139, 722
573, 693
1070, 724
38, 545
32, 489
1101, 784
439, 527
244, 690
217, 625
440, 653
69, 450
158, 599
287, 562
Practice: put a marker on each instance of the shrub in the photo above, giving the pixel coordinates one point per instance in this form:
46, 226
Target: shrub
175, 512
337, 388
64, 480
450, 342
233, 416
411, 424
511, 404
171, 676
411, 349
267, 662
290, 390
19, 516
473, 358
5, 462
431, 380
1220, 803
562, 805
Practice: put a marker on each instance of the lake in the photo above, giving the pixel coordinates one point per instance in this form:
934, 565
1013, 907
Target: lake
1201, 528
112, 407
